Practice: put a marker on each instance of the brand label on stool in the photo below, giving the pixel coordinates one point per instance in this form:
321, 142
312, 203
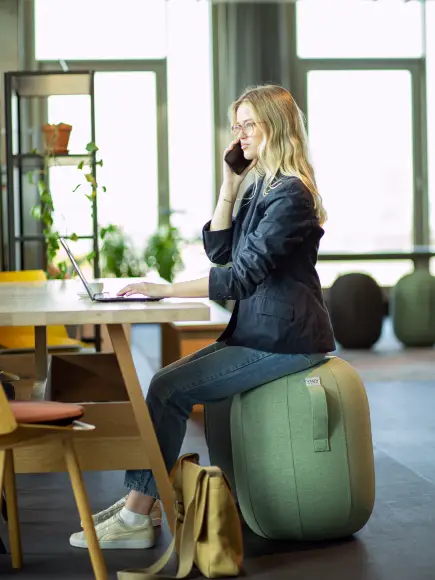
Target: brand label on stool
313, 381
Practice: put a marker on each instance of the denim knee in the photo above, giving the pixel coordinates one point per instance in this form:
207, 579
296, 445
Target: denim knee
162, 392
158, 390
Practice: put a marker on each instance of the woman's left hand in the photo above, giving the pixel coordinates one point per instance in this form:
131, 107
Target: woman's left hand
147, 289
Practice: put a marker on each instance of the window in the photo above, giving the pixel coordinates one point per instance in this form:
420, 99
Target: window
126, 127
385, 272
360, 126
359, 29
100, 29
360, 129
143, 29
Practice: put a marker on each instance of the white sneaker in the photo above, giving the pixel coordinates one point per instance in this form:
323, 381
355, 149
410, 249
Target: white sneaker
113, 534
156, 513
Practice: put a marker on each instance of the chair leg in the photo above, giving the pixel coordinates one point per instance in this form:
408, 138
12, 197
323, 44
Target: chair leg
2, 482
11, 502
81, 498
3, 509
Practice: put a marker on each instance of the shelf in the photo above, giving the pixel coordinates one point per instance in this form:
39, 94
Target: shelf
45, 84
29, 161
409, 254
41, 238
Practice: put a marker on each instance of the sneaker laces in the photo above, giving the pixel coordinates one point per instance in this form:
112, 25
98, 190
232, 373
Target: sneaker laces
112, 509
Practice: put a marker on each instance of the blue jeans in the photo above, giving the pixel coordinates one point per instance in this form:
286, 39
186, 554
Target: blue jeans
215, 372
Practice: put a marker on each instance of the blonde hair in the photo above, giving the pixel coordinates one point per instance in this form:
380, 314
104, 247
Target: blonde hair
285, 146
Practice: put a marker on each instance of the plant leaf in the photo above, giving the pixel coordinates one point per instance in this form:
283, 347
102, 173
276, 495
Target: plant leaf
80, 165
76, 187
90, 178
73, 237
63, 268
36, 212
104, 188
46, 197
90, 256
91, 147
42, 188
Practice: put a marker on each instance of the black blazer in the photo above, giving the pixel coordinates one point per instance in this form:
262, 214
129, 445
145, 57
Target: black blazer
272, 246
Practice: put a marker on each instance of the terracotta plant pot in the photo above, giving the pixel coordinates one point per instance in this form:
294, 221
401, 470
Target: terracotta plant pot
57, 137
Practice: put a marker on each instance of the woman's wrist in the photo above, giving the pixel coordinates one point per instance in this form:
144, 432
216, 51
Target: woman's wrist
227, 199
228, 192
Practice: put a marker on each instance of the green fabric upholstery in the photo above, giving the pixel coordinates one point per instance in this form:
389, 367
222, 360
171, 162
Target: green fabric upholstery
413, 309
303, 456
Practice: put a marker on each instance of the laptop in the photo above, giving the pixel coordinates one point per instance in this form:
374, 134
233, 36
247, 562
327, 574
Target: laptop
102, 296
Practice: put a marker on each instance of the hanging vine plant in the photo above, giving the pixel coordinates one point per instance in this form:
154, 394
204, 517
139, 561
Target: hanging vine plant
43, 211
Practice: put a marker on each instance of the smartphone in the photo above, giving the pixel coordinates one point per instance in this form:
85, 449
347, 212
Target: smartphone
236, 160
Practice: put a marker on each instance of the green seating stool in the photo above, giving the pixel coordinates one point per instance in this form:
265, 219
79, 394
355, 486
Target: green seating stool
300, 455
413, 309
356, 308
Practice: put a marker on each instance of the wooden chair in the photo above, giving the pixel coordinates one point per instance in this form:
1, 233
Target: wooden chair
28, 423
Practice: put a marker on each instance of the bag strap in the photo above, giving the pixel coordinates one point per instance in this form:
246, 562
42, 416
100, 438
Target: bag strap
187, 544
319, 409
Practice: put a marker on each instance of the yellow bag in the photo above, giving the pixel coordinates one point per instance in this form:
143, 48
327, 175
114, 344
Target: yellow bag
208, 531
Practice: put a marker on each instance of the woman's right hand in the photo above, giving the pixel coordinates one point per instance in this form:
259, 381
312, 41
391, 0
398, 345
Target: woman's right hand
231, 180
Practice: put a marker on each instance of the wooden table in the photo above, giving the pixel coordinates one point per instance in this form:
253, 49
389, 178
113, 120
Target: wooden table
105, 383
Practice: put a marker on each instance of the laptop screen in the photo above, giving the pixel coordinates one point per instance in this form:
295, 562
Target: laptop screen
76, 267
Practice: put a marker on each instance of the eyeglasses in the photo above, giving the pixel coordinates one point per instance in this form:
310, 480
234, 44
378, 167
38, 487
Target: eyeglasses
247, 128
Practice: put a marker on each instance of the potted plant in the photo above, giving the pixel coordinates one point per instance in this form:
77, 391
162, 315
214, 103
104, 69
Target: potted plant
57, 137
118, 258
163, 252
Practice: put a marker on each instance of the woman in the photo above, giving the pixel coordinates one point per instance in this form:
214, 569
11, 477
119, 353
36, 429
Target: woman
279, 325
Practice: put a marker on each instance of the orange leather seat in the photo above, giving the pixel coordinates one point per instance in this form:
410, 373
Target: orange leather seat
45, 412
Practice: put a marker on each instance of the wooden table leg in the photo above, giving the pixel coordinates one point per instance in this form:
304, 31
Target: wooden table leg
143, 419
41, 364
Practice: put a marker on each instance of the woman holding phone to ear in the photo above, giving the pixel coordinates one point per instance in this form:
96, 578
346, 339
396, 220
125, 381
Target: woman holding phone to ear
279, 325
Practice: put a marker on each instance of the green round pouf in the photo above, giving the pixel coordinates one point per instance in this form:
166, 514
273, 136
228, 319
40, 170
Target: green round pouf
300, 456
413, 309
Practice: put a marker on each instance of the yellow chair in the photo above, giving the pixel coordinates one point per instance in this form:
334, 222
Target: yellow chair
23, 337
31, 424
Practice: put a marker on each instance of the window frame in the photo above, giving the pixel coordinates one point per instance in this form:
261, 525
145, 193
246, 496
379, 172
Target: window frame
422, 6
416, 68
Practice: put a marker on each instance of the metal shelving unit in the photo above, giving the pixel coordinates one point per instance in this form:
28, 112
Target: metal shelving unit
21, 87
3, 224
24, 92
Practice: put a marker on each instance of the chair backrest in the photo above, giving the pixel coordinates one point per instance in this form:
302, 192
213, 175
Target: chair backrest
23, 276
8, 423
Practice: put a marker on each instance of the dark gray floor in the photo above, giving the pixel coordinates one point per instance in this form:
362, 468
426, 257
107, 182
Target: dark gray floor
397, 543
